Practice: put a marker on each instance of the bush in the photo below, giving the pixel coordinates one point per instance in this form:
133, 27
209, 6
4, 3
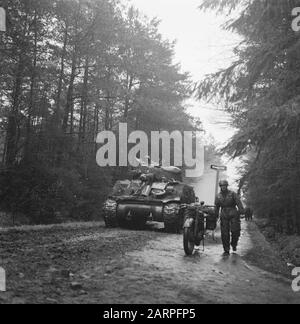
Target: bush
48, 195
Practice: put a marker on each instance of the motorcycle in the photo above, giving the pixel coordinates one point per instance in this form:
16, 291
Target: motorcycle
198, 219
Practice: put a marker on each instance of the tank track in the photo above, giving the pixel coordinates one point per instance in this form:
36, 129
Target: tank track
172, 218
110, 216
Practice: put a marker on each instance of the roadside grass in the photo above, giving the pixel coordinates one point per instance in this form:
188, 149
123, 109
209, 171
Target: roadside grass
266, 255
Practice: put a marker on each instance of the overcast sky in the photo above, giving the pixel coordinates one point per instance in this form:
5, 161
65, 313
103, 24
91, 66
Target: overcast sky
203, 47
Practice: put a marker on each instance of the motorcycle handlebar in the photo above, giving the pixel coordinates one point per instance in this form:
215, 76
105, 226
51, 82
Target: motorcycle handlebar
200, 208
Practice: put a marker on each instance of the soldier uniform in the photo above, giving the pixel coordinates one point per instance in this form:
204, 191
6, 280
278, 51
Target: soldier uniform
231, 208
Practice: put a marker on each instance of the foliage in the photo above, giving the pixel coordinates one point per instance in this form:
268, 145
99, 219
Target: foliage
261, 90
68, 70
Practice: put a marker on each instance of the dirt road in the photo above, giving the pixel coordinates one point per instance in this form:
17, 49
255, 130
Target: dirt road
91, 264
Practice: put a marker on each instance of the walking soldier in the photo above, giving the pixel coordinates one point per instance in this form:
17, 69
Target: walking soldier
231, 208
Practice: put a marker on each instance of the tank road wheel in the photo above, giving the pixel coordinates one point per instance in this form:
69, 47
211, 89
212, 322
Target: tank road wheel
172, 218
110, 222
110, 214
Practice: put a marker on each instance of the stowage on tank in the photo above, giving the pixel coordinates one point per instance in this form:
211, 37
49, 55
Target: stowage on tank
151, 194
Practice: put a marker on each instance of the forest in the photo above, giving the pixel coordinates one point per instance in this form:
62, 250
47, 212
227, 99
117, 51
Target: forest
70, 69
261, 91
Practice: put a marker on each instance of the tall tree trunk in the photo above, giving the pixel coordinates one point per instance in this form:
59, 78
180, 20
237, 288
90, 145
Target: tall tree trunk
107, 123
62, 72
84, 100
12, 134
31, 96
70, 105
96, 123
12, 127
127, 97
69, 109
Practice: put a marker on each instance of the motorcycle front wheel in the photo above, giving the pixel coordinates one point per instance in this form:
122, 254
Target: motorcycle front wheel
188, 241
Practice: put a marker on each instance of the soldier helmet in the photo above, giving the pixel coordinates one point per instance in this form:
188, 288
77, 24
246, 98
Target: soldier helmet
223, 183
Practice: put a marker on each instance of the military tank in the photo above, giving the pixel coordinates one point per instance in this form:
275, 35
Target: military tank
155, 195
